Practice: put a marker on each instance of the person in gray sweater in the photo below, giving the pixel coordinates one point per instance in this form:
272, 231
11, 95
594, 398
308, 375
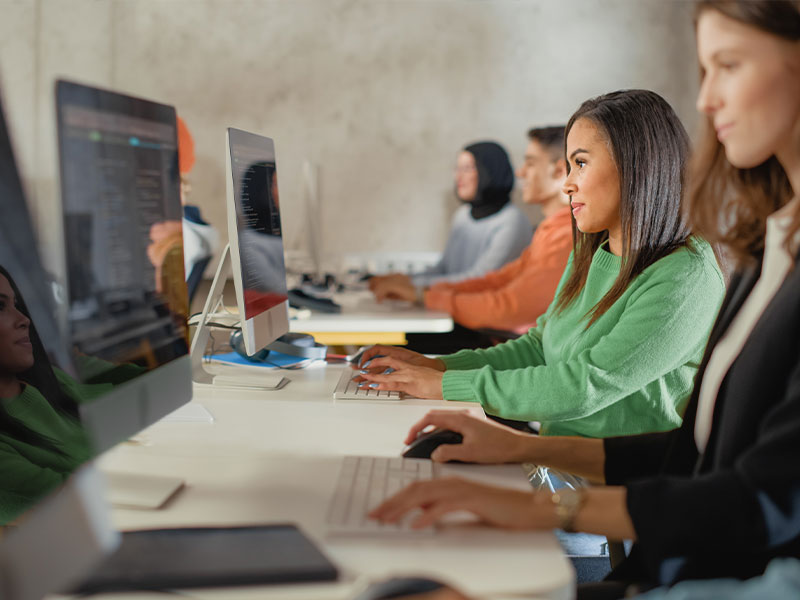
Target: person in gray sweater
487, 230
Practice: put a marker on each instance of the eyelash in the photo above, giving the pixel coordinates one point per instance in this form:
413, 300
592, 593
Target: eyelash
4, 304
580, 163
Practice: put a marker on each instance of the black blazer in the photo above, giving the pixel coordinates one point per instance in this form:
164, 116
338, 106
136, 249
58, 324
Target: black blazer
727, 512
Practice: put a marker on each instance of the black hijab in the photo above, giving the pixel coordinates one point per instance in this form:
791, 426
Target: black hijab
495, 178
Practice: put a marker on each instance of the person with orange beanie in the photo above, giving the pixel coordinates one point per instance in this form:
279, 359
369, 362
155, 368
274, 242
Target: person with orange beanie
199, 237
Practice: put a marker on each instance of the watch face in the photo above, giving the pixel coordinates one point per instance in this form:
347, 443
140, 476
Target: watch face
567, 502
567, 497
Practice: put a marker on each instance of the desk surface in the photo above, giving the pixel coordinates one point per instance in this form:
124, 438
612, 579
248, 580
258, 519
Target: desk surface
361, 313
274, 457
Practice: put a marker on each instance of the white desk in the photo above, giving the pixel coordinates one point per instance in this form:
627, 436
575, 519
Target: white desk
362, 317
274, 457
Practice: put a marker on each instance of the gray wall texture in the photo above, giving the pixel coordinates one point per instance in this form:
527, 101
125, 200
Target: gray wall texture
378, 94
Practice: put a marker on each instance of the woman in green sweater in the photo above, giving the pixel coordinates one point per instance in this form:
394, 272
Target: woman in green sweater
617, 350
41, 438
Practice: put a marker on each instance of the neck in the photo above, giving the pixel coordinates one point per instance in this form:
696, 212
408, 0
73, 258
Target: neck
788, 154
553, 204
790, 161
615, 242
10, 386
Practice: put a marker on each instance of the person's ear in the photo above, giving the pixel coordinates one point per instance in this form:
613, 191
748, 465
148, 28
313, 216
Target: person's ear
559, 169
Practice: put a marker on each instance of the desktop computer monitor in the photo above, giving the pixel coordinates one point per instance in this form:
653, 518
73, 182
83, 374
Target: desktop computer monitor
254, 256
52, 506
127, 301
256, 244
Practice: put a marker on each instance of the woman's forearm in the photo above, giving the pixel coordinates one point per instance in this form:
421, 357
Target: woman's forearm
584, 457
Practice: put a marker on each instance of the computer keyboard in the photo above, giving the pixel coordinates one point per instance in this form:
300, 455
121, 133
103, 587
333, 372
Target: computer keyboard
347, 389
301, 299
364, 483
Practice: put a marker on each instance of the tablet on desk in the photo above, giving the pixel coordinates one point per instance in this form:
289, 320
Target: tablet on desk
161, 559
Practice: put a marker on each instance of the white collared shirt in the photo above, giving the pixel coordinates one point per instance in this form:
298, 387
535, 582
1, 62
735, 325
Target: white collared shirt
777, 264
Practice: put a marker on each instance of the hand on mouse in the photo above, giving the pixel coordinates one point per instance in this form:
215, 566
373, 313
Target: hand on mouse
484, 441
500, 507
392, 374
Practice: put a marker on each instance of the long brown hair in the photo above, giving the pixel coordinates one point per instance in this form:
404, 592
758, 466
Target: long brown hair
728, 205
40, 376
650, 148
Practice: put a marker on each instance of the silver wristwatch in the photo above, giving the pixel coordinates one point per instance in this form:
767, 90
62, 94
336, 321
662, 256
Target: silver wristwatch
568, 502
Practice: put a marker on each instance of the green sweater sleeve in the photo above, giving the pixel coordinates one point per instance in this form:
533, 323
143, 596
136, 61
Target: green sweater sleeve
525, 351
24, 478
93, 370
663, 325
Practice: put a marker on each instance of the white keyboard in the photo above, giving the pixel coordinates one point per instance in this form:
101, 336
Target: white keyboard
364, 483
347, 389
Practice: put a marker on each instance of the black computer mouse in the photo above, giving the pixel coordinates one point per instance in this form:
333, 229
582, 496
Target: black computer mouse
399, 587
427, 442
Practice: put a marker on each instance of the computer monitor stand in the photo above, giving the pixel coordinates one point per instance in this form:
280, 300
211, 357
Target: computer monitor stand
234, 376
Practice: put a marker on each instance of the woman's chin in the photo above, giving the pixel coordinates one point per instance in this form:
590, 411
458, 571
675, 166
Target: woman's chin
745, 158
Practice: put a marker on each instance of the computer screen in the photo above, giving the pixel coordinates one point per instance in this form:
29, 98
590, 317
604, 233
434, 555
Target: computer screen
123, 250
60, 524
254, 229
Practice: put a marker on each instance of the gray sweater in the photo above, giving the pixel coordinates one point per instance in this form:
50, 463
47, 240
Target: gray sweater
476, 247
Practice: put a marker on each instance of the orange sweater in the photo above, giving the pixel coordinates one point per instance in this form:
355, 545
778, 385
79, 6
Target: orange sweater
512, 297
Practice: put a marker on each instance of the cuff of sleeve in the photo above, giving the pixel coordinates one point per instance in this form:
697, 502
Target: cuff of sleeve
457, 385
632, 457
463, 360
438, 299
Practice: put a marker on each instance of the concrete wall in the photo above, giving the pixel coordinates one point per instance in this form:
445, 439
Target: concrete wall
379, 94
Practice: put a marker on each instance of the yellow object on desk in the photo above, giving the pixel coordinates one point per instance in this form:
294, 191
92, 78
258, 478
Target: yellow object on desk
359, 338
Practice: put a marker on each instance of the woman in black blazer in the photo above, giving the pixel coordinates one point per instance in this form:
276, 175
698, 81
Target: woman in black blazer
720, 496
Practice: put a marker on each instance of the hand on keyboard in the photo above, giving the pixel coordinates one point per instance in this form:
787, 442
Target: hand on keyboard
407, 356
348, 389
364, 483
499, 507
391, 374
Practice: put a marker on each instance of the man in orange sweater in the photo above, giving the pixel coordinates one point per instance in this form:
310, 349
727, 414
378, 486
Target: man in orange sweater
513, 297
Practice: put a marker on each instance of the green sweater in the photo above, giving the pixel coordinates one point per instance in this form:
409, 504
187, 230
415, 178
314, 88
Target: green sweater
631, 372
29, 471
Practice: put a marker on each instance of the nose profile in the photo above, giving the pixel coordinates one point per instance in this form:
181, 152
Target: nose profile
22, 321
569, 186
707, 102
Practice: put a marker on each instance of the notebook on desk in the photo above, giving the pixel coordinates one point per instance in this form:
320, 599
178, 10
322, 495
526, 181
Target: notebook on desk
162, 559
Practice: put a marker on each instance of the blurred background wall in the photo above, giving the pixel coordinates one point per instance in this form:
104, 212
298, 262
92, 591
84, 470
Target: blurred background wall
379, 95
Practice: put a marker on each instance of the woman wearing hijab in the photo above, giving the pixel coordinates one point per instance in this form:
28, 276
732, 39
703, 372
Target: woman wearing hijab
487, 231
